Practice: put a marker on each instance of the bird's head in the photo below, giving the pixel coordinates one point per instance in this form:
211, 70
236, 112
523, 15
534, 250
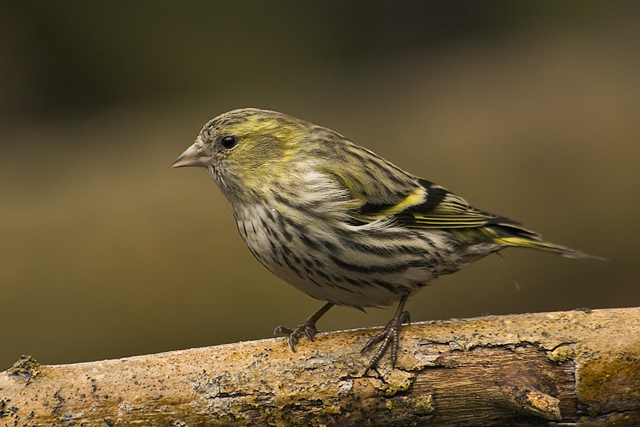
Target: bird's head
246, 150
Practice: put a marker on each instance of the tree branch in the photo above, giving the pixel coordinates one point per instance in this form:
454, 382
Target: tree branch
576, 368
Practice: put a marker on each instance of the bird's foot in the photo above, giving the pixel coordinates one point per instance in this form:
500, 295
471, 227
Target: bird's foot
389, 337
307, 327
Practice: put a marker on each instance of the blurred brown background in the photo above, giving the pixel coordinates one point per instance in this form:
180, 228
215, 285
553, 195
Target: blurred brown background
527, 109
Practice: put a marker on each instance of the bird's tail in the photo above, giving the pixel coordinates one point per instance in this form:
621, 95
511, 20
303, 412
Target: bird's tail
539, 245
512, 235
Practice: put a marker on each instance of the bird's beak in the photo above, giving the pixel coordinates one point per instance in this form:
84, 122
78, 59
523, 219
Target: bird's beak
192, 157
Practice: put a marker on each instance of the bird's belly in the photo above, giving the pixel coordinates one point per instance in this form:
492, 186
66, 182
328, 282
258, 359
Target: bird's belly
345, 268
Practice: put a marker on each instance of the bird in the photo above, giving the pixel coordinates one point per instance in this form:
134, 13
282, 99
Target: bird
340, 223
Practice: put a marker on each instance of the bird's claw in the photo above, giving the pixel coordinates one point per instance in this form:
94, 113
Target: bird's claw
307, 327
389, 337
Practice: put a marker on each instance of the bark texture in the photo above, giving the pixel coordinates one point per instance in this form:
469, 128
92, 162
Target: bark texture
565, 368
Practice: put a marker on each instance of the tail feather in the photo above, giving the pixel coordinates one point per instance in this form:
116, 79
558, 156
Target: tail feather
530, 242
514, 235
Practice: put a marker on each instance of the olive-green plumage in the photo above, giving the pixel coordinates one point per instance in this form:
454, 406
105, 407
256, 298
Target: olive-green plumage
339, 222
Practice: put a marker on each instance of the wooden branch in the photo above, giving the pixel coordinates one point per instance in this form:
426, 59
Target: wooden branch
575, 368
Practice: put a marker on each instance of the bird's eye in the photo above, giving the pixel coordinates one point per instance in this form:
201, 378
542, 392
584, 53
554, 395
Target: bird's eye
229, 141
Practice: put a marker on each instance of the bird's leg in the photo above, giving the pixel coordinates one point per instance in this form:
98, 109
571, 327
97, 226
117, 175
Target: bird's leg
389, 337
308, 327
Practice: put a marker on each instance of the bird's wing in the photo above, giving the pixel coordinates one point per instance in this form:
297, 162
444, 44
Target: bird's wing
425, 205
381, 191
443, 209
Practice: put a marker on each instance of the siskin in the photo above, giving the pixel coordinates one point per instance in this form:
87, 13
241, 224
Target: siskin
340, 223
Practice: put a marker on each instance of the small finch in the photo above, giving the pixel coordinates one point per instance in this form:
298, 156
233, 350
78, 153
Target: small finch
340, 223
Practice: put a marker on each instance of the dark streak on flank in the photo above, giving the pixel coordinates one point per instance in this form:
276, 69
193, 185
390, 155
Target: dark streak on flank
308, 242
354, 282
391, 268
344, 288
388, 286
385, 251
